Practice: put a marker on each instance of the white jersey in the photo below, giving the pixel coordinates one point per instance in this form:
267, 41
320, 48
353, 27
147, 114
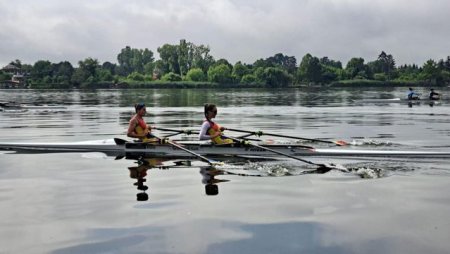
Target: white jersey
204, 131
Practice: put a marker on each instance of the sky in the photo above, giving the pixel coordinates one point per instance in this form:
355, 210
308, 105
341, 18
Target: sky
412, 31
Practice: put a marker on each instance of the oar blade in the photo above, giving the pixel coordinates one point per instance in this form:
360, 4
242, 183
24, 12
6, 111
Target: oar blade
341, 143
120, 141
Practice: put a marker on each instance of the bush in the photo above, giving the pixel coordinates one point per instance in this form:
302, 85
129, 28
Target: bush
195, 74
171, 77
248, 79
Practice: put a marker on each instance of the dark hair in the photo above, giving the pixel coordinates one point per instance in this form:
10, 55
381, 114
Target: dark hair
209, 107
139, 106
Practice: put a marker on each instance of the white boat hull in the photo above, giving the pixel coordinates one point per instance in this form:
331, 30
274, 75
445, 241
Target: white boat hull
109, 147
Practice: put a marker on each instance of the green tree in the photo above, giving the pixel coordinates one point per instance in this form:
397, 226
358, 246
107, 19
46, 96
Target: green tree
310, 69
136, 76
430, 72
239, 70
131, 59
41, 69
220, 73
169, 58
356, 69
277, 77
248, 79
195, 74
171, 77
287, 63
63, 72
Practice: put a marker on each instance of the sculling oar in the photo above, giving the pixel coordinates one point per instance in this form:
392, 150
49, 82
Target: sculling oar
163, 141
190, 132
320, 165
260, 133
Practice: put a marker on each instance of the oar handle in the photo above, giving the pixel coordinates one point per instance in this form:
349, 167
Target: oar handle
188, 132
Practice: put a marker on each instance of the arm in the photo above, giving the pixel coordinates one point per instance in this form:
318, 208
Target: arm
131, 129
204, 132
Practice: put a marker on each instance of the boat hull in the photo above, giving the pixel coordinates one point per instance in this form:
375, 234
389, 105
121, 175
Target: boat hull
167, 150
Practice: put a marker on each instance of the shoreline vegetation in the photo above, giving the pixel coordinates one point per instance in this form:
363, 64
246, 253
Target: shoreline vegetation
186, 65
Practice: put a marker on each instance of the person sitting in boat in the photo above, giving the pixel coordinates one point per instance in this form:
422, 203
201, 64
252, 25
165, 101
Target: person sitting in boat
138, 128
211, 130
433, 95
412, 95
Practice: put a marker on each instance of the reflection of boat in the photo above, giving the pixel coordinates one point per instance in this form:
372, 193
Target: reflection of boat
167, 150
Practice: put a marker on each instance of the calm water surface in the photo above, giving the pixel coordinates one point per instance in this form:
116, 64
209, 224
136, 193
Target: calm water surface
88, 202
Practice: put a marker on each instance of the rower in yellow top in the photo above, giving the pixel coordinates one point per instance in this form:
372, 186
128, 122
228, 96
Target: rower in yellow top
138, 128
210, 129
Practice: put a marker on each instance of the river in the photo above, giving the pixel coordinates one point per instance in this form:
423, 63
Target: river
94, 203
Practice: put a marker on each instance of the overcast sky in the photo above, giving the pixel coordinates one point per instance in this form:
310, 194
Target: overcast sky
413, 31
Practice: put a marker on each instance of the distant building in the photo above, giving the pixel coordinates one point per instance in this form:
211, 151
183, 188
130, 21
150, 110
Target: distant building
12, 69
18, 79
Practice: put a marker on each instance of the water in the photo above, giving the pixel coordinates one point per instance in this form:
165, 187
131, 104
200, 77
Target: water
88, 202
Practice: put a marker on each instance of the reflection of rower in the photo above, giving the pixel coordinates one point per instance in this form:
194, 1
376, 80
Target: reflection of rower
209, 180
433, 95
139, 174
412, 95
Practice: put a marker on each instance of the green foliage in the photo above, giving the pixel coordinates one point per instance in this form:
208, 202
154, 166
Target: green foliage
239, 70
194, 64
171, 77
380, 76
356, 69
136, 76
133, 60
195, 74
248, 79
430, 72
4, 76
310, 69
219, 73
277, 77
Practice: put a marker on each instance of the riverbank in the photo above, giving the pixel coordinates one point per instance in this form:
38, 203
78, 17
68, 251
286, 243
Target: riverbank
202, 85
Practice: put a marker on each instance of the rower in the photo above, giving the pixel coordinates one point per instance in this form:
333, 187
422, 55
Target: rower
433, 95
210, 129
413, 95
138, 128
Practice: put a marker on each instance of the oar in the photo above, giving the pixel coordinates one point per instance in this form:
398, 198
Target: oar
260, 133
203, 158
190, 132
321, 166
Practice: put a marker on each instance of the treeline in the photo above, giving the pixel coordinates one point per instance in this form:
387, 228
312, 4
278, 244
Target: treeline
187, 63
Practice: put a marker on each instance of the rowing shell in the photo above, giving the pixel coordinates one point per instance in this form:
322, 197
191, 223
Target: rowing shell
396, 100
164, 150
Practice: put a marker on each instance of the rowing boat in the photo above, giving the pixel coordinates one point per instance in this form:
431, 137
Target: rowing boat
208, 149
396, 100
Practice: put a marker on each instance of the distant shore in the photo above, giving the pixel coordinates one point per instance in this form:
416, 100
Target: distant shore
203, 85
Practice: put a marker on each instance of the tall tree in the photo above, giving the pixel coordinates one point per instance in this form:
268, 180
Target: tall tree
310, 69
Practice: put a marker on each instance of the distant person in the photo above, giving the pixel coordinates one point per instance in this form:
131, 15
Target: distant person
211, 130
412, 95
138, 128
433, 95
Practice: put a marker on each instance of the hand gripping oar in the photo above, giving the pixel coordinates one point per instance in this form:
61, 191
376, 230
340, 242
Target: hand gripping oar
321, 166
260, 133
